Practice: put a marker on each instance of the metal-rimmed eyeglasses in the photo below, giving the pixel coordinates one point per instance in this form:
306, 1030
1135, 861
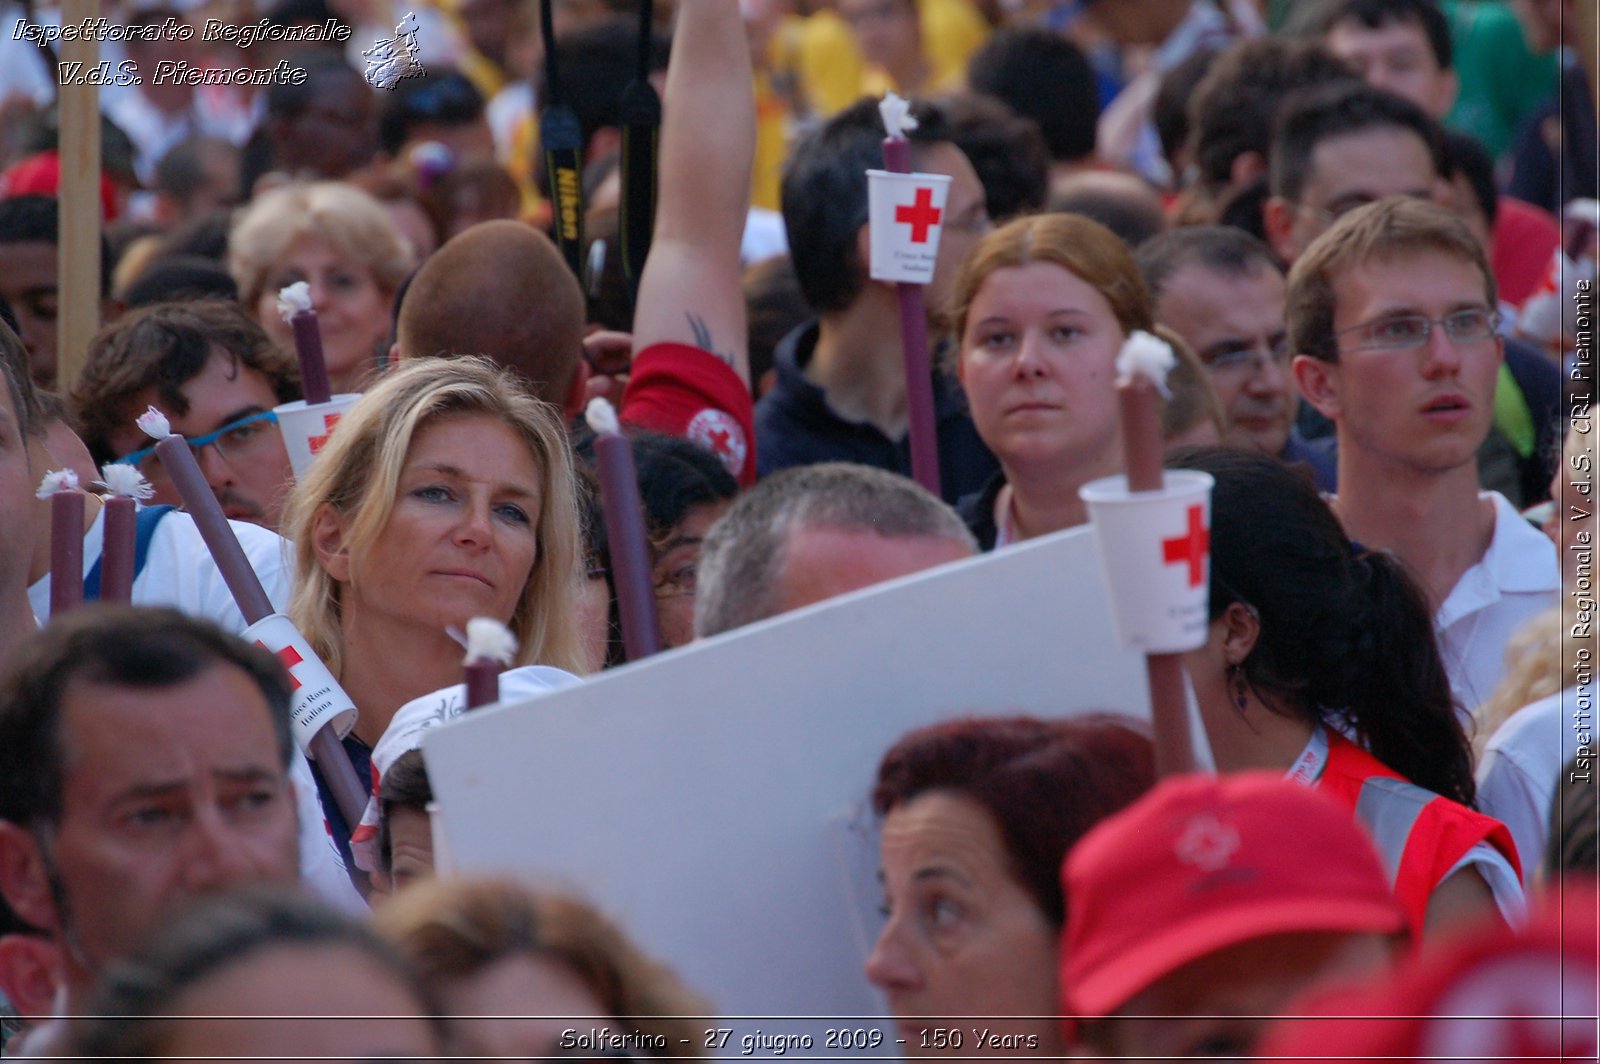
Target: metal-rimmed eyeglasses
1246, 358
1407, 332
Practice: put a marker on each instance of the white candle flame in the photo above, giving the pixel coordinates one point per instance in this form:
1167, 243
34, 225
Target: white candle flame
896, 112
489, 640
154, 423
119, 478
1146, 355
602, 417
294, 299
57, 481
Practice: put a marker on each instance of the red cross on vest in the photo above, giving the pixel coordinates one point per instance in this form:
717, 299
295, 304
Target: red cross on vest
1190, 547
290, 658
921, 215
328, 421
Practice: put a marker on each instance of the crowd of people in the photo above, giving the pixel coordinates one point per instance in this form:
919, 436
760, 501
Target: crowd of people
1367, 230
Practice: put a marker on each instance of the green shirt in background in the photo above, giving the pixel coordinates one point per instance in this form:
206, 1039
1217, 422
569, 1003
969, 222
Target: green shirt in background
1501, 81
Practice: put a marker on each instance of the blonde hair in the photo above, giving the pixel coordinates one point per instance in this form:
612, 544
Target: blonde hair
358, 474
1084, 248
352, 222
452, 929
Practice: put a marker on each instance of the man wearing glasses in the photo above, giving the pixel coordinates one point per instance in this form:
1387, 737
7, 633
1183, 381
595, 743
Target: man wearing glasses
216, 376
1392, 319
1221, 290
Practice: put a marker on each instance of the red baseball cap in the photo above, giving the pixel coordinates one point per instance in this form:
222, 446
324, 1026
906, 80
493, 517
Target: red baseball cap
1496, 993
40, 175
1202, 863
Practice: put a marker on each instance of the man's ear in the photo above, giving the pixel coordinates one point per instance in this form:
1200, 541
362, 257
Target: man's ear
1277, 218
1318, 381
1446, 92
864, 259
328, 541
25, 878
30, 974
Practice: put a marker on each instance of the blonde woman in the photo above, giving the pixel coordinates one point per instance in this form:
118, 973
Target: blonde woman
340, 241
445, 494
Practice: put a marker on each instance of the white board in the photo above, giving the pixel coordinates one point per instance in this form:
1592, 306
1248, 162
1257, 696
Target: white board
713, 799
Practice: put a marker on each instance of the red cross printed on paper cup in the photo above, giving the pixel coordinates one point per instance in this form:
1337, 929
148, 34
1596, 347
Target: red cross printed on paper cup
1155, 551
306, 428
316, 698
906, 214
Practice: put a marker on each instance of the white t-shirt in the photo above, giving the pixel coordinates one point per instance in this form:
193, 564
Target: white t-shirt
1522, 763
1518, 578
179, 573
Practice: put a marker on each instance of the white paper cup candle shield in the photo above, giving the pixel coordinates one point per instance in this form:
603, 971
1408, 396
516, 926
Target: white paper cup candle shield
906, 214
306, 428
315, 699
1155, 551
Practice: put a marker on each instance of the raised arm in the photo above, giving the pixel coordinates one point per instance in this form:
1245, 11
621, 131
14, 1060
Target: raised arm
690, 291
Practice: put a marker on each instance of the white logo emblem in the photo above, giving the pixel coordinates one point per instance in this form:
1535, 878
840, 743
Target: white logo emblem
391, 61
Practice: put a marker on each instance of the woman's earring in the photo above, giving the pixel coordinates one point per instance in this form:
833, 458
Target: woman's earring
1236, 686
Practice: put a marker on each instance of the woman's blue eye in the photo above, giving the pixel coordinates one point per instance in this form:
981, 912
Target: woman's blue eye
944, 912
433, 493
514, 513
994, 340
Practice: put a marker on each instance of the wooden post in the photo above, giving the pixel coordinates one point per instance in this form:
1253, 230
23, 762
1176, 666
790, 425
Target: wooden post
78, 240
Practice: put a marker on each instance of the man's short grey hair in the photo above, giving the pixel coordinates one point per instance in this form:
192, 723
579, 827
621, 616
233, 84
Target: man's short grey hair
743, 556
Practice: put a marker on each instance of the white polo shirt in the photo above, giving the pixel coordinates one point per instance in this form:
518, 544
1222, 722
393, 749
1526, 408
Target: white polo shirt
1518, 578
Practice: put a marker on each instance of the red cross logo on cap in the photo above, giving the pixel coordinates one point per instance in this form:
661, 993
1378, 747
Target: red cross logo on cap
328, 421
718, 432
1189, 548
290, 658
920, 215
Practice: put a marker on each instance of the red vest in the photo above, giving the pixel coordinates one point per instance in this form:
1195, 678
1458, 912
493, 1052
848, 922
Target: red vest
1420, 835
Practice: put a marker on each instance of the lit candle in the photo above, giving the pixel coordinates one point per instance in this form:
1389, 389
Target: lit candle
66, 539
920, 413
1142, 367
294, 303
125, 487
490, 648
625, 533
